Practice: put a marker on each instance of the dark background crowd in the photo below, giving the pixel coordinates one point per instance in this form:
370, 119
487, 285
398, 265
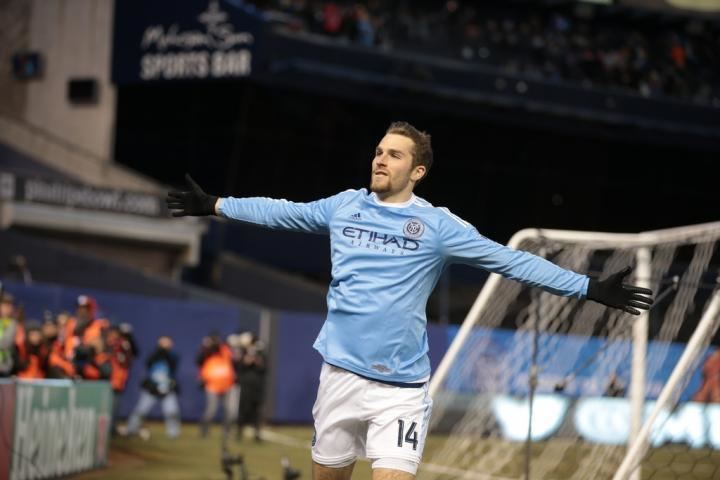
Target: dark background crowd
83, 346
590, 46
74, 345
77, 345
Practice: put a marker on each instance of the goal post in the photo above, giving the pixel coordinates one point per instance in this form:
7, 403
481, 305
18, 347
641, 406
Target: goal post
480, 386
665, 401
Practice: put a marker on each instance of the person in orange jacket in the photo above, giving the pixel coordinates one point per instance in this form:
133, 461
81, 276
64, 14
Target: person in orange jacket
92, 361
58, 365
217, 375
32, 360
84, 327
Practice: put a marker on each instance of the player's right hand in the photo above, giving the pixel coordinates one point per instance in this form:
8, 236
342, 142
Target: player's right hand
193, 202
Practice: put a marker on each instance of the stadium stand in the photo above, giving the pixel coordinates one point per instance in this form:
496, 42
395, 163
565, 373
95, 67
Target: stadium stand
598, 47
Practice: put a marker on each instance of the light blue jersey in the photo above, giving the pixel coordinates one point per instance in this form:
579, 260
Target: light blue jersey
386, 260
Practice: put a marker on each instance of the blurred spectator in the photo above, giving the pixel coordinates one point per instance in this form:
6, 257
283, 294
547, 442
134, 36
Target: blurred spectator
33, 356
92, 360
61, 320
18, 270
58, 365
159, 384
19, 327
126, 330
364, 31
250, 366
331, 18
84, 341
589, 45
7, 334
709, 391
84, 327
615, 387
218, 378
121, 350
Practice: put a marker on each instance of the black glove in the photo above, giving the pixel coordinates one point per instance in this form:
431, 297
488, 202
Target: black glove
194, 202
613, 293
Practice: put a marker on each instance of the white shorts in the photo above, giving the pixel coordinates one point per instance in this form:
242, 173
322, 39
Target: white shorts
356, 417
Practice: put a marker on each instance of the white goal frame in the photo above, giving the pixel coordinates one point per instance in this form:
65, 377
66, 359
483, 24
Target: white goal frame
639, 434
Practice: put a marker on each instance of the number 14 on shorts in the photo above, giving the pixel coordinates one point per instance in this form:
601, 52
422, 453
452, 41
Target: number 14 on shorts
410, 436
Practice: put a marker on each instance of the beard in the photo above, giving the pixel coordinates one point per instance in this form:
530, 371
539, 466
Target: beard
381, 185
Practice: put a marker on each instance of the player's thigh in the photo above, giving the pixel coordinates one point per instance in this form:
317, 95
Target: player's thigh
398, 427
391, 474
339, 430
323, 472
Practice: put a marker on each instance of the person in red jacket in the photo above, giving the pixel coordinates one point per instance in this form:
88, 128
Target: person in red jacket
217, 375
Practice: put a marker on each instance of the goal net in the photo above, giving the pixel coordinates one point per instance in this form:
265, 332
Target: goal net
546, 387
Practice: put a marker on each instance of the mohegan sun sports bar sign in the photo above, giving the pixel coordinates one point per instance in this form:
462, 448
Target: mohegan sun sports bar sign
159, 40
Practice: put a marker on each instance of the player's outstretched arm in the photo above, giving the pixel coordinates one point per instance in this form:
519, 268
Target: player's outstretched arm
193, 202
461, 243
312, 217
612, 292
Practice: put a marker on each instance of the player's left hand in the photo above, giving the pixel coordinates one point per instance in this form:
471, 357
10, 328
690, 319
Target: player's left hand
616, 294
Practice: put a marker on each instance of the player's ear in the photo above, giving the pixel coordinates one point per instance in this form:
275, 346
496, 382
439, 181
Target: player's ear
418, 173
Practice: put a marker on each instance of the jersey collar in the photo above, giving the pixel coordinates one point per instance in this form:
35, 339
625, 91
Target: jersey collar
377, 201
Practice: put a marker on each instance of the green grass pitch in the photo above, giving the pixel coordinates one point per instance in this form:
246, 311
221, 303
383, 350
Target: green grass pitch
192, 457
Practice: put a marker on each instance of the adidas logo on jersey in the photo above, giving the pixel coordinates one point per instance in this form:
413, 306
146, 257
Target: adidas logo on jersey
355, 216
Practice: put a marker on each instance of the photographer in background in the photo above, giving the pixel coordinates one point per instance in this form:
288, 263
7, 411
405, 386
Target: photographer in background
58, 365
121, 352
84, 327
33, 355
8, 326
160, 384
92, 361
250, 365
217, 374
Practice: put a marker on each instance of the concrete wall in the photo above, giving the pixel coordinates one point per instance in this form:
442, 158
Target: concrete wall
36, 118
75, 37
14, 36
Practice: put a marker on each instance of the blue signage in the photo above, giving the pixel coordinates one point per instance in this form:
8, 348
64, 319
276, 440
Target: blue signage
498, 361
604, 420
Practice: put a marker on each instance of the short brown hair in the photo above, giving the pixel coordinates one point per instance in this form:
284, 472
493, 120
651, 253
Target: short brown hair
422, 151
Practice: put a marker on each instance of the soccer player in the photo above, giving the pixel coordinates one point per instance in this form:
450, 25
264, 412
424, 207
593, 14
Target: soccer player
388, 249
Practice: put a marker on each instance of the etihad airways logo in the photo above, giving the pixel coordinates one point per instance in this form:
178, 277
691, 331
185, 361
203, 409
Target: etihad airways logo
361, 237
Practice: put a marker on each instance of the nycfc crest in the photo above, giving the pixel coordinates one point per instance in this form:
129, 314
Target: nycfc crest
414, 228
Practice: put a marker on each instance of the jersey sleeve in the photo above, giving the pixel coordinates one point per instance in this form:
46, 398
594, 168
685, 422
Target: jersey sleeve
461, 243
312, 217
